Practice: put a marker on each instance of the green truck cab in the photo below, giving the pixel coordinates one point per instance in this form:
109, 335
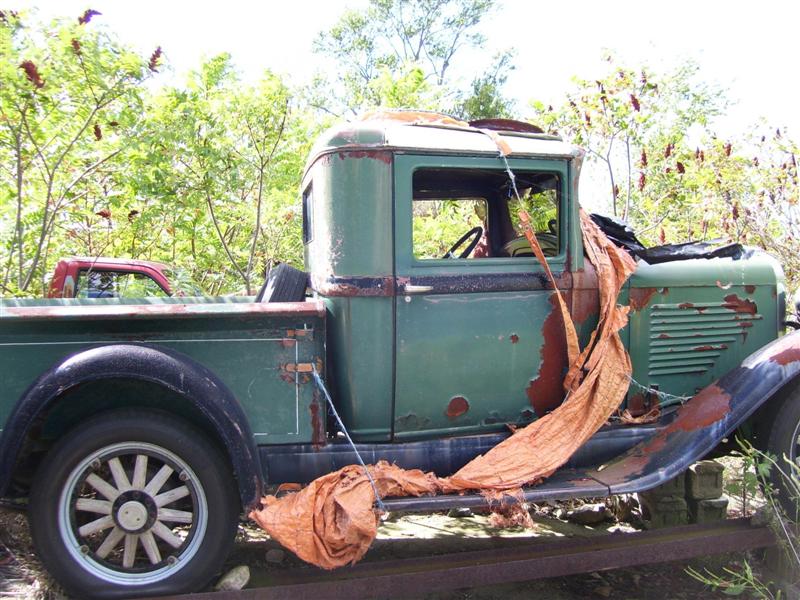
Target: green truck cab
136, 432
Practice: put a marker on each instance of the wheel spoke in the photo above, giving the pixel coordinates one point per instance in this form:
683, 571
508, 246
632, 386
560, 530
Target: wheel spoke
111, 542
95, 526
140, 471
102, 507
158, 480
102, 486
119, 474
175, 516
166, 534
129, 554
150, 547
171, 496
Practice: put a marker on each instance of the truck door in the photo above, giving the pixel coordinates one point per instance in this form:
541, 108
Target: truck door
479, 343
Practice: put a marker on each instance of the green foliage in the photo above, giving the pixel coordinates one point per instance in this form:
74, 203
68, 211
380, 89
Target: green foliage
756, 470
438, 224
70, 102
485, 99
399, 53
668, 172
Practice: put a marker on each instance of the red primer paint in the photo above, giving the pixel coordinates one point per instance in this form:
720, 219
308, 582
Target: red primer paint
546, 392
514, 338
736, 304
704, 348
664, 336
457, 406
684, 305
749, 289
640, 297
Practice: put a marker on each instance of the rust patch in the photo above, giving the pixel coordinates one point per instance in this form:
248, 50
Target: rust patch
288, 378
288, 343
298, 367
723, 286
786, 351
514, 338
638, 404
704, 409
704, 348
664, 336
640, 297
583, 298
787, 356
685, 305
457, 406
545, 392
736, 304
317, 424
381, 155
289, 487
749, 289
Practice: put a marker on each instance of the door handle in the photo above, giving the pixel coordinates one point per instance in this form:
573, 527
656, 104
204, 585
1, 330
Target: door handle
417, 289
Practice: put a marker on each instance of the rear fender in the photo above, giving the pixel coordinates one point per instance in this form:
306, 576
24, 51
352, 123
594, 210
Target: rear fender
701, 423
172, 370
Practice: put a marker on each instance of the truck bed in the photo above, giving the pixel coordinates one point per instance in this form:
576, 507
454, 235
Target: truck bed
261, 351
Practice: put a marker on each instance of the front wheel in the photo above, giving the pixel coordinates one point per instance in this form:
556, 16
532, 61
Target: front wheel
783, 439
133, 503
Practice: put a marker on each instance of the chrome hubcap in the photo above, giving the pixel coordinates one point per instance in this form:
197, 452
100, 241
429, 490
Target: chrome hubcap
133, 513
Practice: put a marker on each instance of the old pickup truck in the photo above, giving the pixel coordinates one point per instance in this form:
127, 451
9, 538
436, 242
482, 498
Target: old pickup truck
136, 432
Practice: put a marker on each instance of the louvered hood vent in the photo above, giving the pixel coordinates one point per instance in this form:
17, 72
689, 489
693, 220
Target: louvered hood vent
689, 338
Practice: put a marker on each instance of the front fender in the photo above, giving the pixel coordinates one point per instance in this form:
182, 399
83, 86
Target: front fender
168, 368
702, 422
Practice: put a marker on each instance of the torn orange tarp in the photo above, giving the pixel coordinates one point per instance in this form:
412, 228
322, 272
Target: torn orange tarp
332, 522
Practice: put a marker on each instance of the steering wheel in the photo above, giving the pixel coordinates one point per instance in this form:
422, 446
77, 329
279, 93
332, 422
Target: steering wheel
475, 233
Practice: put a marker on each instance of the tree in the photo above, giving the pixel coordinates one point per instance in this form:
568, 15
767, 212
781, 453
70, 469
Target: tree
485, 99
219, 166
670, 174
69, 102
399, 40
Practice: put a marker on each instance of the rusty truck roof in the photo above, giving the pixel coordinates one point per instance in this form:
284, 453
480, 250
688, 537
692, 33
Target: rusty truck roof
407, 131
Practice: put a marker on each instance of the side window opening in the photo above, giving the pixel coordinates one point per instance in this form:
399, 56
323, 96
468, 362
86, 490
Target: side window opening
308, 206
473, 214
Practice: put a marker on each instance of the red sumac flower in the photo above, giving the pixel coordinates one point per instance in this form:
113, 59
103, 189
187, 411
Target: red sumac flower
32, 73
155, 57
87, 16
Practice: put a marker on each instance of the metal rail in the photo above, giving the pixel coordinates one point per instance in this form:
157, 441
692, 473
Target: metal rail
539, 560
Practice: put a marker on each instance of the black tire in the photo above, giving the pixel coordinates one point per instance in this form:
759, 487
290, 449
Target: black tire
284, 284
783, 438
167, 546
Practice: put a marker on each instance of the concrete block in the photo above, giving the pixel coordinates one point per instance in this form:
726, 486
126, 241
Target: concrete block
708, 510
704, 480
664, 511
673, 487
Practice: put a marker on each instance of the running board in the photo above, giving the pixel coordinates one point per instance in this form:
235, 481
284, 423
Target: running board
696, 429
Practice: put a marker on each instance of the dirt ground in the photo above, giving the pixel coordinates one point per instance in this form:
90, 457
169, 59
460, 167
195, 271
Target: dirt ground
400, 536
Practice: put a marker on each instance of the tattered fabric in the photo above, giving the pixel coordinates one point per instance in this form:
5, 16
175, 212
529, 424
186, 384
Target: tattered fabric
332, 522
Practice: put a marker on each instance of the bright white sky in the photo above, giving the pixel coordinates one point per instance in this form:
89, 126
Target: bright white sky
748, 48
